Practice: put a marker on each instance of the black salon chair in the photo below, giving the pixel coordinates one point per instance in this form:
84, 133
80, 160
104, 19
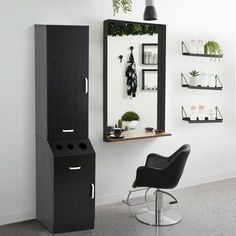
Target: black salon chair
161, 172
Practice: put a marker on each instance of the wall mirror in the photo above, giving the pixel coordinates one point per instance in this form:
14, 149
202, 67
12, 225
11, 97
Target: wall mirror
134, 80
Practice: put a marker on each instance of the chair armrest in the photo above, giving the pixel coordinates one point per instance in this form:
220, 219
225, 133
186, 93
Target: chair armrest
147, 176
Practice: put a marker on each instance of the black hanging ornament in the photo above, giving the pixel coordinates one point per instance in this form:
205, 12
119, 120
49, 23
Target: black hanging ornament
130, 73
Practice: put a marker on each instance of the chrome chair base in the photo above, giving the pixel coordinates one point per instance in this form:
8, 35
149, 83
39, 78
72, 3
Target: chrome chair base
163, 218
160, 216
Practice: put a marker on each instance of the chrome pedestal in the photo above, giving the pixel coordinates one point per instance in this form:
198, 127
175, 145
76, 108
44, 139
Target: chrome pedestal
165, 218
159, 216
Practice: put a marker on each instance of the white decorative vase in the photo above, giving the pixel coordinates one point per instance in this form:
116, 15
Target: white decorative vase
132, 124
204, 79
211, 80
193, 81
193, 46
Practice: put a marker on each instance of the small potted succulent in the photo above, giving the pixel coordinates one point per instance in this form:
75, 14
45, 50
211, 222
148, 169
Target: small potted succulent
193, 80
131, 119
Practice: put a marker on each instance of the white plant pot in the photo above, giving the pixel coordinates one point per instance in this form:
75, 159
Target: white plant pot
132, 124
193, 81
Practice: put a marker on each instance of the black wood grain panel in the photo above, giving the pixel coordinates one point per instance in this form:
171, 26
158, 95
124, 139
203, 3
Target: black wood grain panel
74, 206
67, 62
44, 183
41, 79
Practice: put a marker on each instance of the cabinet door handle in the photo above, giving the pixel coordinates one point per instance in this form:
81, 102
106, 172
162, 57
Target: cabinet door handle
93, 191
68, 130
86, 85
74, 167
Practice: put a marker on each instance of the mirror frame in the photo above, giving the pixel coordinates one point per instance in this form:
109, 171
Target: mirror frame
161, 74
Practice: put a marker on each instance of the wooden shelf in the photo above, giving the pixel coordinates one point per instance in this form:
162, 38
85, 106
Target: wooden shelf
201, 87
201, 55
203, 121
147, 64
134, 135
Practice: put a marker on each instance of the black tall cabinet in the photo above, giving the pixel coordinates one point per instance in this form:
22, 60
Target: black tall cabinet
65, 159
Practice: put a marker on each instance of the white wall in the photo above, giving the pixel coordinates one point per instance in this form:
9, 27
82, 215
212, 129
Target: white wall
213, 145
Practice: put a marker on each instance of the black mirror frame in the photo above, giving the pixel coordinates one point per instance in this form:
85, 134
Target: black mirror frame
161, 74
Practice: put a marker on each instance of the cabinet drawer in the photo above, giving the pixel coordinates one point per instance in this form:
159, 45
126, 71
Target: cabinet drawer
74, 165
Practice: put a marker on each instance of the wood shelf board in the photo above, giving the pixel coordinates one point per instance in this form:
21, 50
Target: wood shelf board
150, 89
203, 121
149, 64
201, 87
201, 55
131, 135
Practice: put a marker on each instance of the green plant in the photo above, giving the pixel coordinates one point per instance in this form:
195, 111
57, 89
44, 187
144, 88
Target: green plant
119, 123
129, 116
120, 29
125, 5
194, 73
212, 48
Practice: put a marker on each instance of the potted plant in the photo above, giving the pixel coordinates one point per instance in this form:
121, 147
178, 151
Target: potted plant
193, 80
125, 5
212, 48
131, 118
119, 124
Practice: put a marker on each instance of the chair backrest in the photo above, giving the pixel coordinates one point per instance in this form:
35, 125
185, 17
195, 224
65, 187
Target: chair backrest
175, 168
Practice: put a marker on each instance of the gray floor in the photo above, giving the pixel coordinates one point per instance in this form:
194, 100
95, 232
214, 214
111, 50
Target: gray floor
208, 209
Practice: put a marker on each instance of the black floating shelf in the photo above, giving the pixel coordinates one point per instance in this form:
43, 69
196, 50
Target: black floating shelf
201, 87
203, 121
186, 52
218, 119
201, 55
185, 84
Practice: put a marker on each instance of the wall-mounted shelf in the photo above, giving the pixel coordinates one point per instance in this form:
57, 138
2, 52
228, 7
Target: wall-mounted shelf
186, 52
133, 135
149, 79
218, 118
151, 59
185, 84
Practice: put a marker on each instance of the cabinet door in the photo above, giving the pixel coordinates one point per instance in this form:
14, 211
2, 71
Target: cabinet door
67, 68
74, 205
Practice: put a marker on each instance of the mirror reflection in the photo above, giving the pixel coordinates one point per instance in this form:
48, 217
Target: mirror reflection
132, 79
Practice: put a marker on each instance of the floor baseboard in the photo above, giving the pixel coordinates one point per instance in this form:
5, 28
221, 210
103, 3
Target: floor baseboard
17, 217
117, 197
206, 179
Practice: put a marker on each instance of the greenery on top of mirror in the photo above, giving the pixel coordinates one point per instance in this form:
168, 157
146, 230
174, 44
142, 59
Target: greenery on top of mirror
120, 29
125, 5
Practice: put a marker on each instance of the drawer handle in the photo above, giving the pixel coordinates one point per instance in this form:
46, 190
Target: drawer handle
86, 85
74, 167
93, 191
68, 130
